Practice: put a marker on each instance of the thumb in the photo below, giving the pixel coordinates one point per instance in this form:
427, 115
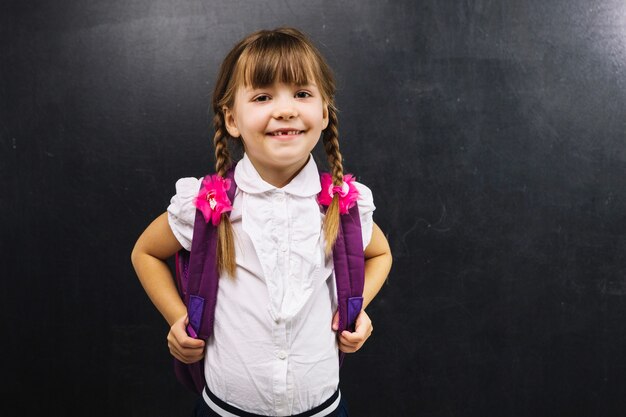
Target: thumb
335, 325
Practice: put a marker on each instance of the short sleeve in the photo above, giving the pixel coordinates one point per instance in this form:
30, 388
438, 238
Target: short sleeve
181, 213
366, 212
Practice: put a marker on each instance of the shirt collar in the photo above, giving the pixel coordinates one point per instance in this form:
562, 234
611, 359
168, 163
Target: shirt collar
305, 184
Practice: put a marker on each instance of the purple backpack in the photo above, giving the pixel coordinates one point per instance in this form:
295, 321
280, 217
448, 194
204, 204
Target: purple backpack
197, 281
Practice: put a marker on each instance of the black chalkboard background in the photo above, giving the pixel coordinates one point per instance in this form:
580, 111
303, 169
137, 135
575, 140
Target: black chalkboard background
491, 133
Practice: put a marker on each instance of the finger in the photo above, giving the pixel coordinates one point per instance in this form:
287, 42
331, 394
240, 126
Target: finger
348, 348
352, 343
187, 359
187, 355
191, 358
364, 327
191, 343
175, 352
183, 339
356, 337
189, 349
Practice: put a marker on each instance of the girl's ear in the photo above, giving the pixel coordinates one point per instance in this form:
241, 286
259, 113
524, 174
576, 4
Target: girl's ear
325, 117
229, 121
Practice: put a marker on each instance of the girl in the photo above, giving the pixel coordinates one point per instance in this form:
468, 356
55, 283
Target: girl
274, 344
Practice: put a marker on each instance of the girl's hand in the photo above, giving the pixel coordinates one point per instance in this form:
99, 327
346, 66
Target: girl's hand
184, 348
350, 342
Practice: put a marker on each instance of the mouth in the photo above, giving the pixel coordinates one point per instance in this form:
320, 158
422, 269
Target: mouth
285, 133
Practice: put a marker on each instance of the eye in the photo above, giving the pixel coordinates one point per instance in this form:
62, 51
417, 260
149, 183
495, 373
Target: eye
303, 94
261, 98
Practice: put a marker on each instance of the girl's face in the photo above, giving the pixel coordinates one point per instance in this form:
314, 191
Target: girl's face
279, 125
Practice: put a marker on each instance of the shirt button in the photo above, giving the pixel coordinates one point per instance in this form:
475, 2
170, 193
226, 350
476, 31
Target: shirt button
279, 198
283, 247
282, 354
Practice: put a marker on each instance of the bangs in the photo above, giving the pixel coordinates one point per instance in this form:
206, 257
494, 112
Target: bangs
283, 55
277, 58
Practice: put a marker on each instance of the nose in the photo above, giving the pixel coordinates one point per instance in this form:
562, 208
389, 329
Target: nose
285, 110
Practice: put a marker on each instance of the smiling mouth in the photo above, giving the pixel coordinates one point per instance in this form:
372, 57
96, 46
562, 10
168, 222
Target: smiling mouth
278, 133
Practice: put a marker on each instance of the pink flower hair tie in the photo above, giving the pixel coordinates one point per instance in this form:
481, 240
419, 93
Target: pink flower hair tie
212, 200
347, 192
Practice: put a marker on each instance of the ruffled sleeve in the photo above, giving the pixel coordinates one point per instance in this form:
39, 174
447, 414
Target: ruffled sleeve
181, 213
366, 212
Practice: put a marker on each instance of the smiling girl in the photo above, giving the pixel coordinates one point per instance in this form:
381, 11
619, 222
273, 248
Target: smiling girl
275, 341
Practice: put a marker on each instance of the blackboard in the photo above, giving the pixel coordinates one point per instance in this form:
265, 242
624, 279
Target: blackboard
491, 135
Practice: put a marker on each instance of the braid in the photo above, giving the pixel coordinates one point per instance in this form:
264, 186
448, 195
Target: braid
331, 145
226, 240
222, 155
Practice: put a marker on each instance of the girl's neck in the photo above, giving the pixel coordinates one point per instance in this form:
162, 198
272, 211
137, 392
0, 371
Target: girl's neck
279, 177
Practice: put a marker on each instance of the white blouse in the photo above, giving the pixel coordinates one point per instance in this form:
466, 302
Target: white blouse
273, 350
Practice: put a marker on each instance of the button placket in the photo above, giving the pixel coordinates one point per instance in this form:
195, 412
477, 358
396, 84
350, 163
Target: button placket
282, 228
280, 366
281, 234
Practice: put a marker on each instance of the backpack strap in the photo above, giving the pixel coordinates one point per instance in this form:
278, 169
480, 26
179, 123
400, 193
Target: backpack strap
203, 272
349, 265
197, 282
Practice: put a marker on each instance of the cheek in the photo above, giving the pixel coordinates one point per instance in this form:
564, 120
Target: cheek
252, 122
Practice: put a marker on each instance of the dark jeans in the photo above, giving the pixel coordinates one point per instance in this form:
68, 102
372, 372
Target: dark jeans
203, 410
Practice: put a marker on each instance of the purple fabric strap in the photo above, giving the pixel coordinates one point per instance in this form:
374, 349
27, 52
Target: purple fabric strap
197, 280
203, 272
200, 279
349, 265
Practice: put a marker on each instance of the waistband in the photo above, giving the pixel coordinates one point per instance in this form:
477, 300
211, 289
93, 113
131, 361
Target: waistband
328, 408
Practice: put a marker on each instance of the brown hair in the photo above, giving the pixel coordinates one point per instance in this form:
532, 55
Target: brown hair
262, 58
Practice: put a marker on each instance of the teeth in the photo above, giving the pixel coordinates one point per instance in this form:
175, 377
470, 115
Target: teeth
291, 132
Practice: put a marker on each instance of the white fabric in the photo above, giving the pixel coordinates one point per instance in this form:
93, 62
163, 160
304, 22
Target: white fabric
273, 350
225, 413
